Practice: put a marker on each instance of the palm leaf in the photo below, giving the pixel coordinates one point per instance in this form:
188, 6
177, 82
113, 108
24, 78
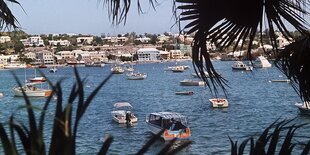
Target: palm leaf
106, 145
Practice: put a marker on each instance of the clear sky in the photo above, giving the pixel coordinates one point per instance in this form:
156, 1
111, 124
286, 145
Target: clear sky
90, 17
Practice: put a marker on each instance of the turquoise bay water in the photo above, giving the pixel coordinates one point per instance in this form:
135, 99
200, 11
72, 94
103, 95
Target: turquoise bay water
255, 102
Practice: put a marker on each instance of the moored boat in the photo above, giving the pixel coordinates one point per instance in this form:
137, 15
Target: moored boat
184, 93
175, 125
136, 76
117, 70
191, 83
53, 70
261, 62
282, 80
31, 90
38, 79
14, 66
239, 65
178, 69
122, 113
304, 108
219, 102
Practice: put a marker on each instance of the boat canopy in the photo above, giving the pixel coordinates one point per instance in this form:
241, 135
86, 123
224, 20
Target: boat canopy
169, 115
122, 104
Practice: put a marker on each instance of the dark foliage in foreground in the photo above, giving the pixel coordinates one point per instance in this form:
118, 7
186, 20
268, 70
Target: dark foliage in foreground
64, 129
275, 139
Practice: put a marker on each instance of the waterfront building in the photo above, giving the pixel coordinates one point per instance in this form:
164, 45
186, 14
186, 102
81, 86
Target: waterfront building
65, 54
148, 54
4, 39
46, 57
176, 54
164, 55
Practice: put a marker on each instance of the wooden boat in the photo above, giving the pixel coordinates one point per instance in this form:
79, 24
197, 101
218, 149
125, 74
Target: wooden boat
304, 108
122, 113
174, 124
31, 90
184, 93
191, 83
219, 102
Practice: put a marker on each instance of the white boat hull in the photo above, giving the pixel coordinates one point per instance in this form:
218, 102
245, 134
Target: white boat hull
120, 117
219, 103
32, 93
303, 109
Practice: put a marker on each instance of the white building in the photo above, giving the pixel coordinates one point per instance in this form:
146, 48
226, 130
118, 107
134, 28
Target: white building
65, 54
84, 40
98, 56
144, 39
59, 42
281, 41
4, 59
33, 41
176, 54
115, 39
4, 39
148, 54
162, 38
30, 55
46, 57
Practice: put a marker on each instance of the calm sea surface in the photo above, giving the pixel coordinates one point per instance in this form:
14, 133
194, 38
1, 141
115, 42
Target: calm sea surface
255, 102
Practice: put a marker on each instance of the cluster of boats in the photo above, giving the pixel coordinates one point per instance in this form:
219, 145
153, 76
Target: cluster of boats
131, 75
36, 87
174, 125
260, 62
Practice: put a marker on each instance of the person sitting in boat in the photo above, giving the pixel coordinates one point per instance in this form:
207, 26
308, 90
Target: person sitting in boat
128, 117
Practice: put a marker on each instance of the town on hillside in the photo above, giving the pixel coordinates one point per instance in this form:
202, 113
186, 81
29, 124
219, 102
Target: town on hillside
18, 47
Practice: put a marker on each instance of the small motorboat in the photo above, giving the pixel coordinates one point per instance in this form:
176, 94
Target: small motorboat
219, 102
122, 113
136, 76
280, 80
239, 65
304, 108
117, 70
53, 70
191, 83
174, 124
178, 69
184, 93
